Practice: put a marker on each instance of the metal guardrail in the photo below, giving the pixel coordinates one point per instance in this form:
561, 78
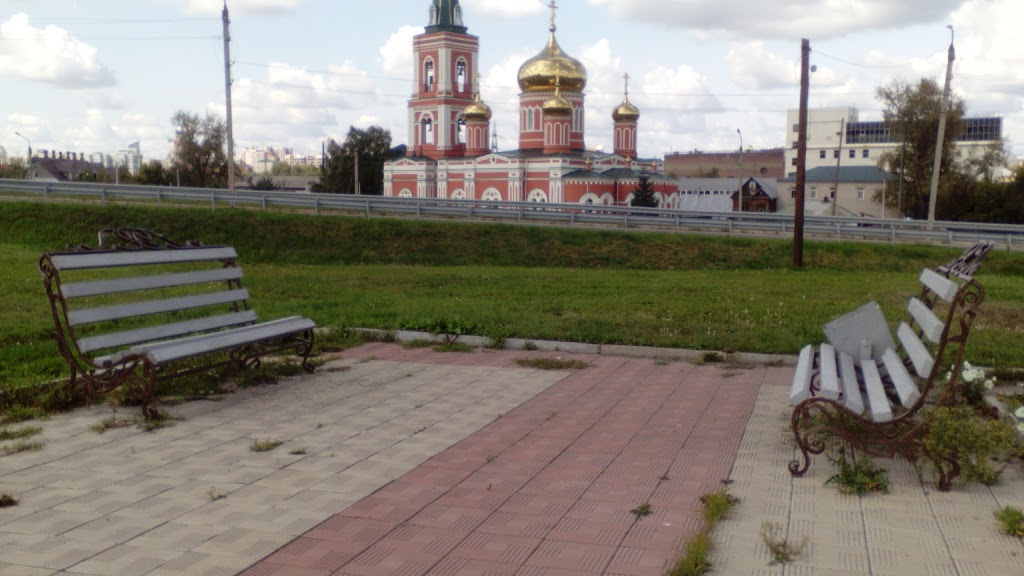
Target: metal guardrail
840, 228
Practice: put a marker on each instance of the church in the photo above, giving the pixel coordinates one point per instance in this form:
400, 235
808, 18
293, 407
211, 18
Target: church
450, 152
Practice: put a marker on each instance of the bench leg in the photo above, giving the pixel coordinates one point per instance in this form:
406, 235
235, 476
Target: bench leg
306, 350
810, 439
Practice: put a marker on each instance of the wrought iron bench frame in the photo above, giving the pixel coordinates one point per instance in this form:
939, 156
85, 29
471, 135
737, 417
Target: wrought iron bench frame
138, 359
817, 419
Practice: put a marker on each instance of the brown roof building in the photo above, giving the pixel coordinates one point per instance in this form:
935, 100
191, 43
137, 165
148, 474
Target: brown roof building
767, 164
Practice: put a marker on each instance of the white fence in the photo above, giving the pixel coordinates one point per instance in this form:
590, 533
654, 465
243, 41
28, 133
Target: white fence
1009, 236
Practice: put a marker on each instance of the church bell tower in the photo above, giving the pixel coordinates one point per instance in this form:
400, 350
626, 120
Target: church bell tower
446, 60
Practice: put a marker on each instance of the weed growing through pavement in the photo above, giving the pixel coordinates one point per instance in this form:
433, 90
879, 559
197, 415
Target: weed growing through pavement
1011, 521
21, 446
214, 495
694, 561
551, 364
643, 510
6, 434
858, 477
18, 414
112, 422
264, 445
782, 550
298, 452
6, 501
529, 346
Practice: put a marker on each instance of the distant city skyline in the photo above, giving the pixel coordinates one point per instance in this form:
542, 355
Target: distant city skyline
94, 76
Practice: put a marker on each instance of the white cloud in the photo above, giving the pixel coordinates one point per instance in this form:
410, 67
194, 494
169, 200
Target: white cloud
755, 68
396, 53
504, 8
215, 7
49, 55
782, 18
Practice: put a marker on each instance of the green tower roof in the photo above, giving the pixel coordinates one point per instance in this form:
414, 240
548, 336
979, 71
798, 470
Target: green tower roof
445, 16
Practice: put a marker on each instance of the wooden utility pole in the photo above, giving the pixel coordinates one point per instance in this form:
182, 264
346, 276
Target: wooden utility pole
227, 92
801, 154
939, 144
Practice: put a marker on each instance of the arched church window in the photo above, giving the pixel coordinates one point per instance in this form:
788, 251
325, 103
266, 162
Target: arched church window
428, 131
460, 75
461, 131
428, 75
458, 15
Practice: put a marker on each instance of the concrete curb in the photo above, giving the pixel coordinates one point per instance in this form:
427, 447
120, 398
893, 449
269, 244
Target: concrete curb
695, 356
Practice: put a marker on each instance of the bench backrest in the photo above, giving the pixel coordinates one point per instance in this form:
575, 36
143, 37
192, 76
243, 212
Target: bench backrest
141, 288
936, 330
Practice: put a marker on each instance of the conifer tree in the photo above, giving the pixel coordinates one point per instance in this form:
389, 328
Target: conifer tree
643, 196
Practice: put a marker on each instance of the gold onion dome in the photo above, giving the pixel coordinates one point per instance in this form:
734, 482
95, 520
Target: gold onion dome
538, 73
558, 105
626, 111
477, 110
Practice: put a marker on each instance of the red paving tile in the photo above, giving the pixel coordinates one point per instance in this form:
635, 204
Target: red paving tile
547, 490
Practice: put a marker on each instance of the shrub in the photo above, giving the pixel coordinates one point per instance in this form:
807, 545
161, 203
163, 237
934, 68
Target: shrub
1011, 521
976, 442
858, 477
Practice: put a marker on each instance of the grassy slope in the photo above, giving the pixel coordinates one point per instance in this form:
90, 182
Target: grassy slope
608, 287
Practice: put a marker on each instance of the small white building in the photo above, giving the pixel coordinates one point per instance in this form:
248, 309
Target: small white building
857, 188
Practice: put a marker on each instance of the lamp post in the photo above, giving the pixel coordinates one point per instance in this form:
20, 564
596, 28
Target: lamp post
741, 171
28, 159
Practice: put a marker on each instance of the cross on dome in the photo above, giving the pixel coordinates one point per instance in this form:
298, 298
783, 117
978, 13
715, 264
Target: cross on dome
553, 6
626, 76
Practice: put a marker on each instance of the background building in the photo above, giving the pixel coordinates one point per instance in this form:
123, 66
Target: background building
857, 188
835, 136
130, 158
756, 163
3, 155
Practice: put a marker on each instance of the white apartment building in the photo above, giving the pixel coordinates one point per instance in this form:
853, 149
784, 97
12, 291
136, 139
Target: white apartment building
837, 137
131, 158
3, 155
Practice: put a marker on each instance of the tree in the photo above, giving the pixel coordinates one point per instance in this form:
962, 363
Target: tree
199, 155
912, 113
643, 196
16, 170
152, 173
264, 183
372, 147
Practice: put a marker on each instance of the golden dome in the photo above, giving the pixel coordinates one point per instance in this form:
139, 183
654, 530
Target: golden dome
626, 112
477, 110
558, 105
538, 73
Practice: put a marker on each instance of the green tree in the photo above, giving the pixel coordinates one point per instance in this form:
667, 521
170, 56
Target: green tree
199, 155
264, 183
16, 170
643, 196
152, 173
912, 112
372, 147
281, 169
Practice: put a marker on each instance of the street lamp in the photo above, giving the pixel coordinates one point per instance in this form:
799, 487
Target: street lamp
28, 159
741, 170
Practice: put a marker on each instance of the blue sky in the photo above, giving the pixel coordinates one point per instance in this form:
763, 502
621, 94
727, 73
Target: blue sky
92, 75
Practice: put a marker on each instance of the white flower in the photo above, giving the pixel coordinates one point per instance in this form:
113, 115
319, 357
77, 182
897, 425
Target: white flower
1019, 413
1020, 428
967, 365
989, 384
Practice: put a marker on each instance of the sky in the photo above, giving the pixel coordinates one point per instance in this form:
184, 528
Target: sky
98, 75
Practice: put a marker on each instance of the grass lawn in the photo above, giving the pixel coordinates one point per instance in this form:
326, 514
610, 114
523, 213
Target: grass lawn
635, 288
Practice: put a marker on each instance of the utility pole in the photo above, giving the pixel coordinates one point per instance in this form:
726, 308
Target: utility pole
28, 159
741, 168
227, 92
357, 171
942, 132
801, 154
839, 160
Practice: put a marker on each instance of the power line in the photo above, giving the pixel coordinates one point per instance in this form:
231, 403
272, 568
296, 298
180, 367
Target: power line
860, 64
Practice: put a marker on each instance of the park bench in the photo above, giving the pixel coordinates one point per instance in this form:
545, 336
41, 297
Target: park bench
873, 395
139, 308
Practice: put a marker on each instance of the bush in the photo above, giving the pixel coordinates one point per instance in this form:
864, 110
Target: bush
976, 442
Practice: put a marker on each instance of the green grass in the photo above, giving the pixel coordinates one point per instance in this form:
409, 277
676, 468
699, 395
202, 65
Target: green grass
28, 432
551, 364
264, 445
648, 289
694, 560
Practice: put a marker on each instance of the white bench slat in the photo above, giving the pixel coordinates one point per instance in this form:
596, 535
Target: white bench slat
926, 319
851, 387
122, 285
829, 374
162, 352
916, 350
151, 334
119, 312
906, 389
878, 403
801, 389
943, 287
90, 260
